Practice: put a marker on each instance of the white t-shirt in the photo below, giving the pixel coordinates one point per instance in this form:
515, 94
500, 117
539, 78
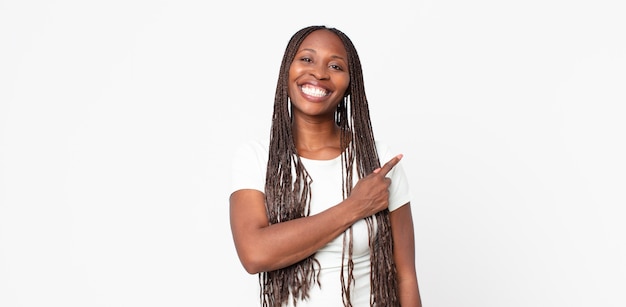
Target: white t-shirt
248, 172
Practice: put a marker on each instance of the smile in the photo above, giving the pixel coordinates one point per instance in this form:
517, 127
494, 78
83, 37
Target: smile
314, 91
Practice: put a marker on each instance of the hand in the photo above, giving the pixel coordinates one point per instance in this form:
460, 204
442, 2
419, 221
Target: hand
371, 193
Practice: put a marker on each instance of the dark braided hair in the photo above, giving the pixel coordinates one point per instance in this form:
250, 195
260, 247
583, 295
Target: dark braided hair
288, 197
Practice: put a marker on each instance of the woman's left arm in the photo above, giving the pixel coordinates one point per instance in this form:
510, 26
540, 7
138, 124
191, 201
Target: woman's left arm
404, 256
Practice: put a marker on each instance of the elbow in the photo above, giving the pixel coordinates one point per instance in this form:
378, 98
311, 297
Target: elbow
253, 264
251, 267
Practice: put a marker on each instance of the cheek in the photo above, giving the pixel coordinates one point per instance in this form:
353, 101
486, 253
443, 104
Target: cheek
292, 76
294, 69
290, 80
346, 83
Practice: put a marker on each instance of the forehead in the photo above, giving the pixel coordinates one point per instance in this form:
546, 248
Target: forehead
324, 40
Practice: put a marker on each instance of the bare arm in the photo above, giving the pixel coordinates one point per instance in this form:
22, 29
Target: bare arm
263, 247
404, 256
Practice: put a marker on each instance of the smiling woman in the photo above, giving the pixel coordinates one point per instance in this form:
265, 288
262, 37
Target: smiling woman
312, 211
318, 77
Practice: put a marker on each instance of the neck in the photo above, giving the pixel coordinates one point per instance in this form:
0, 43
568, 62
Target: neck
317, 139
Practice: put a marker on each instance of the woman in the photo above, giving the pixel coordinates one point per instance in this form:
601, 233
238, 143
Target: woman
312, 211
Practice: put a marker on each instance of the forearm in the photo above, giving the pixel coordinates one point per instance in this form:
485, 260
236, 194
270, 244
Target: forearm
279, 245
409, 294
404, 256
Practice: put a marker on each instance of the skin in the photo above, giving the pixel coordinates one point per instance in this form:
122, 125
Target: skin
321, 63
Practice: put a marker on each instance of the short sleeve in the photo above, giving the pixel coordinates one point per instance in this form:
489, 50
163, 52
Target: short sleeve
399, 192
248, 166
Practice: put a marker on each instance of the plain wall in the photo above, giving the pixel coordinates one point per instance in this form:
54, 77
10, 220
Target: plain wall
117, 120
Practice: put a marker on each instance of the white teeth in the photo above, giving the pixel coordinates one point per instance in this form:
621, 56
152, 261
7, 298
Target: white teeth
314, 91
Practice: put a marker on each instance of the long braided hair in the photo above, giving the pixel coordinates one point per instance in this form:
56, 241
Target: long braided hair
288, 193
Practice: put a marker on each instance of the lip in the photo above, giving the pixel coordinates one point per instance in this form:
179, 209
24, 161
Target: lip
314, 97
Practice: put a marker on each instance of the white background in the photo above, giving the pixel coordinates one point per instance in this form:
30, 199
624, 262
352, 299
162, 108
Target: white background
117, 120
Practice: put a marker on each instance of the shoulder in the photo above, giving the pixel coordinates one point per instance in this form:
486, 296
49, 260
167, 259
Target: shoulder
250, 153
248, 164
252, 148
385, 151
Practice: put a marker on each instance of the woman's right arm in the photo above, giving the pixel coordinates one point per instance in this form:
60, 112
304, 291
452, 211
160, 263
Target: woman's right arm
263, 247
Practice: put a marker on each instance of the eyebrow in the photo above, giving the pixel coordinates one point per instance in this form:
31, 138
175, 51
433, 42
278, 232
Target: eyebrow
313, 50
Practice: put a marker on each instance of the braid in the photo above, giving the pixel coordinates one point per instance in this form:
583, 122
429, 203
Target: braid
288, 197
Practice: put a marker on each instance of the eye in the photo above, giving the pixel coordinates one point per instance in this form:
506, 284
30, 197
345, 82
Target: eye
306, 59
336, 67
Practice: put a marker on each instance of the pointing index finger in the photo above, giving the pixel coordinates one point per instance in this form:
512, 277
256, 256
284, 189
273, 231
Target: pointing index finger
389, 165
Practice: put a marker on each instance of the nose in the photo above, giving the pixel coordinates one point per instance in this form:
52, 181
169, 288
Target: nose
320, 72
